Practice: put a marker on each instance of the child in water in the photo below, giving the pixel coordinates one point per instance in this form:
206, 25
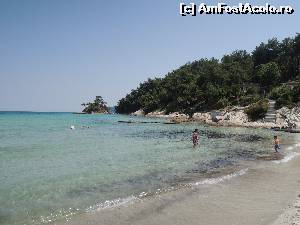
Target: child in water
276, 143
195, 137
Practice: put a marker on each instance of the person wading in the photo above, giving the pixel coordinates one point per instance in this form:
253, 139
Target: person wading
195, 138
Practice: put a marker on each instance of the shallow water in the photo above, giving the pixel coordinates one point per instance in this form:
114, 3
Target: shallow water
48, 171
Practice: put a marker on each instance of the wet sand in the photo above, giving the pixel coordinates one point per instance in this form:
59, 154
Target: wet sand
265, 195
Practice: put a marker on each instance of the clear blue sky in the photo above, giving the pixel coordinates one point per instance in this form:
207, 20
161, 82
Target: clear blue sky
56, 54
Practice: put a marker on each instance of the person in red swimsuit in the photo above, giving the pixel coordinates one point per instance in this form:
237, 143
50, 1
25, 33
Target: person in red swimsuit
195, 138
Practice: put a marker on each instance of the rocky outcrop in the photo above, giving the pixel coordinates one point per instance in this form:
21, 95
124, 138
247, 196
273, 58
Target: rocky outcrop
138, 113
286, 117
159, 114
175, 117
179, 117
234, 116
202, 117
229, 117
237, 117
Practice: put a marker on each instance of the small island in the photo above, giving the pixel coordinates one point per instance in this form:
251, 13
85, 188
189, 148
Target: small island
98, 106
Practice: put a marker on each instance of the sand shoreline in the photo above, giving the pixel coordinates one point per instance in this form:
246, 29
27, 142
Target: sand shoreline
258, 197
291, 215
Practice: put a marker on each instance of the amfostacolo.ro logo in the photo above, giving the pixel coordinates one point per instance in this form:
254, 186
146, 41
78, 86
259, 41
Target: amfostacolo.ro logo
242, 8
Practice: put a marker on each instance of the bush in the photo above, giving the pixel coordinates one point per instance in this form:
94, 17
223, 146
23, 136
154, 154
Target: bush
222, 103
249, 99
276, 92
252, 89
283, 95
257, 110
296, 94
284, 100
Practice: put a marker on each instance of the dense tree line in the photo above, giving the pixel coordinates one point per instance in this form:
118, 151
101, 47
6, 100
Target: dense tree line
240, 78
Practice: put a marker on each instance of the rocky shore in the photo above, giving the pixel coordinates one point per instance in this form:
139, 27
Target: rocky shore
234, 116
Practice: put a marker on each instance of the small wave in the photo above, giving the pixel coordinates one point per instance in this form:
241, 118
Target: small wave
287, 158
220, 179
294, 146
111, 203
123, 201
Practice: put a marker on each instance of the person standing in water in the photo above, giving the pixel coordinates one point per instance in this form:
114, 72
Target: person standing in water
276, 143
195, 138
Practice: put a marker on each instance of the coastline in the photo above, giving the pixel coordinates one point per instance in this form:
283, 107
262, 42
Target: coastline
291, 215
231, 117
257, 196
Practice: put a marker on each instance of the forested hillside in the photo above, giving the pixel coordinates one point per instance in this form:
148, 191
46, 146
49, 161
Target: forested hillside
240, 78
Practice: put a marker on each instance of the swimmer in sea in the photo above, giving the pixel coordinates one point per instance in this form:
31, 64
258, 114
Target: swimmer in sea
195, 138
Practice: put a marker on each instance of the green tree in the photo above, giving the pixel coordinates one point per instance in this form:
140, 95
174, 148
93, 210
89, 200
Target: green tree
239, 78
268, 74
265, 53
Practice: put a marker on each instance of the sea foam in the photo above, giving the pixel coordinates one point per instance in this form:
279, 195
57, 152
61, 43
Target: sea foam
220, 179
287, 158
123, 201
111, 203
290, 155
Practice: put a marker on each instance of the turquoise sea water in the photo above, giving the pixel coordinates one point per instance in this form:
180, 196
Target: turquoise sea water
49, 172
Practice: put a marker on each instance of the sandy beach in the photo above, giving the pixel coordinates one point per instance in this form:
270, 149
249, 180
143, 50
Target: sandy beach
291, 215
265, 194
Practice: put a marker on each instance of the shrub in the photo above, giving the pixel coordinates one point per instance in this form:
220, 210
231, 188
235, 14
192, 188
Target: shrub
296, 94
222, 103
257, 110
284, 100
283, 95
252, 89
249, 99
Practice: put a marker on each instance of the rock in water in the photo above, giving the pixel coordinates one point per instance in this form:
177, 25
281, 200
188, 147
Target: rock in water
138, 113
